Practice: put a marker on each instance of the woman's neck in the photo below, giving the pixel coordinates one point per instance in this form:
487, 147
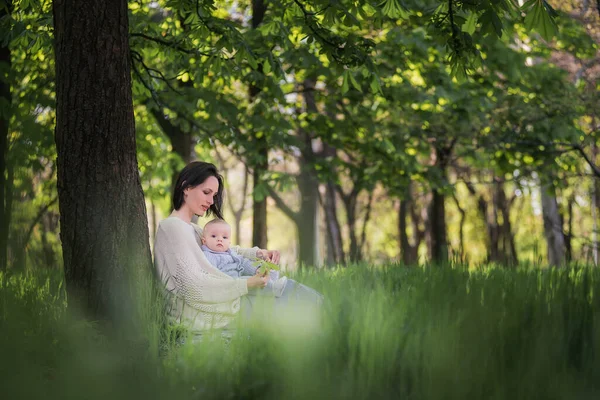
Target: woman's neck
183, 214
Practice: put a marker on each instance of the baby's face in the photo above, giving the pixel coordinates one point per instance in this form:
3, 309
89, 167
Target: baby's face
217, 237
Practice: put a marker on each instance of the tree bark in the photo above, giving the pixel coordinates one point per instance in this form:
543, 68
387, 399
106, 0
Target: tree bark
259, 206
439, 243
104, 229
553, 226
569, 231
508, 249
595, 206
334, 232
307, 222
437, 209
237, 213
461, 229
5, 111
350, 200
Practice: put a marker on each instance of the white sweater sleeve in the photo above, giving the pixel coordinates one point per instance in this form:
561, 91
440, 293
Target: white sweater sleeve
184, 269
247, 253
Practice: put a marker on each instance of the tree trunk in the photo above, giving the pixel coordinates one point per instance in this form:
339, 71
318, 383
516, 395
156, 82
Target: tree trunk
500, 241
237, 213
334, 233
5, 111
595, 206
335, 243
437, 210
461, 229
405, 247
259, 206
349, 201
307, 221
508, 249
553, 226
104, 229
308, 185
49, 224
408, 251
439, 244
569, 232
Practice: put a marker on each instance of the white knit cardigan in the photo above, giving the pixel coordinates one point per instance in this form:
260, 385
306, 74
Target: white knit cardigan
199, 295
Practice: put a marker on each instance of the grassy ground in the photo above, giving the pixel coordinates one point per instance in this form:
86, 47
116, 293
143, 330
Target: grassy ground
391, 332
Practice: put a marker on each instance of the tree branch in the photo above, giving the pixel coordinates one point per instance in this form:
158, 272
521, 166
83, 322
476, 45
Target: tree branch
291, 214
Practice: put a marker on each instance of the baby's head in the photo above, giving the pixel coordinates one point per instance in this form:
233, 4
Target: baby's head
217, 235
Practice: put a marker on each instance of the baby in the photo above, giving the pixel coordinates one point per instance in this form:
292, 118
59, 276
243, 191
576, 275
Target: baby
216, 239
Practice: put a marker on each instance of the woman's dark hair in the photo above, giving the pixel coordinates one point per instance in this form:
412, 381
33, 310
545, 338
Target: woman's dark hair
193, 175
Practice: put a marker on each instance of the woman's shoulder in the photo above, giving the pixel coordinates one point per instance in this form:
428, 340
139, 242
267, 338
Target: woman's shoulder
174, 224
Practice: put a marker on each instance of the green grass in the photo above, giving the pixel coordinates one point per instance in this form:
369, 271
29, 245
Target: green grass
390, 332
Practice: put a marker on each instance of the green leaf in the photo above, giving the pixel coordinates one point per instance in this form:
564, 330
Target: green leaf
539, 18
470, 24
354, 82
264, 265
345, 79
267, 66
375, 87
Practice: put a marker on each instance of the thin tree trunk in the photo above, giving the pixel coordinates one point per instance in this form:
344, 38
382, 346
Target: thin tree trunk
508, 252
49, 255
595, 203
20, 258
350, 201
437, 211
237, 213
308, 185
103, 222
5, 104
308, 222
259, 206
334, 233
490, 218
569, 232
405, 248
335, 248
408, 251
439, 243
553, 226
367, 217
461, 229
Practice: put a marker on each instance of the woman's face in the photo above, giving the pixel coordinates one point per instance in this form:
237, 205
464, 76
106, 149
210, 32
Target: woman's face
201, 197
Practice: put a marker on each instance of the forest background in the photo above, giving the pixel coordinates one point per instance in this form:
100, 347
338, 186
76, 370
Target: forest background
404, 131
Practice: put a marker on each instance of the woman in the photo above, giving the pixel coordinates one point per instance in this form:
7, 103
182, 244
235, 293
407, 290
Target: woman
200, 295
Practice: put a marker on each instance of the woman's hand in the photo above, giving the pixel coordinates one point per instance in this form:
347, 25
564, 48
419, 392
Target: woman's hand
268, 255
258, 281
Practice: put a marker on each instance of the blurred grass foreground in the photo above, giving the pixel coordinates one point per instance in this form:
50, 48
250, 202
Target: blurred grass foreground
385, 332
